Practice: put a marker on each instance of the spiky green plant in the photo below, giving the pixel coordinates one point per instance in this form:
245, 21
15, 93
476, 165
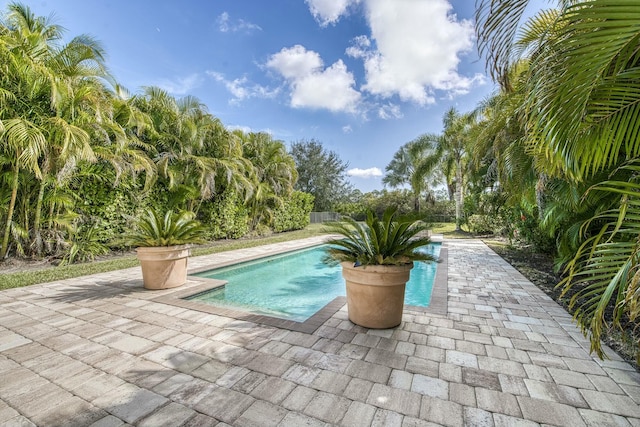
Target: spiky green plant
392, 240
85, 245
153, 229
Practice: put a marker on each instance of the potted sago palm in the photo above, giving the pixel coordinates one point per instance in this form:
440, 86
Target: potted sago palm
377, 257
163, 247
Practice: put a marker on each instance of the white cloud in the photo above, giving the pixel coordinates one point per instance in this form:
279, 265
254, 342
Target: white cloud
245, 129
313, 86
414, 49
364, 173
390, 111
249, 129
242, 89
295, 62
465, 84
225, 24
347, 129
180, 85
329, 11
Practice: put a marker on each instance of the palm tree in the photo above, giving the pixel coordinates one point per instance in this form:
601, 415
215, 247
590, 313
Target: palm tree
195, 155
46, 92
583, 99
273, 174
451, 149
500, 151
410, 165
118, 137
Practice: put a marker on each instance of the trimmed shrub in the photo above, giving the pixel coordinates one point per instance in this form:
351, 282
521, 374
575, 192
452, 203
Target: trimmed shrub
106, 210
294, 213
224, 217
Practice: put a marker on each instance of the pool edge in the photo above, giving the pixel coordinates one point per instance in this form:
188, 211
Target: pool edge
438, 304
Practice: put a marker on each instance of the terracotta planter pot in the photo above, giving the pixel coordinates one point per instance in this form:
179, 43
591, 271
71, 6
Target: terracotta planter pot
375, 294
164, 267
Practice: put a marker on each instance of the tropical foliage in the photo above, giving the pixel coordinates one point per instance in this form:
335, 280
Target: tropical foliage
81, 158
431, 155
575, 96
413, 165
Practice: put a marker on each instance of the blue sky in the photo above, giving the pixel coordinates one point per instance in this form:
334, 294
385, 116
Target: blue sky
361, 76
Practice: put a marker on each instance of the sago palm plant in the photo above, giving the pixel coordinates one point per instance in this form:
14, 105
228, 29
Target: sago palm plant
154, 229
391, 240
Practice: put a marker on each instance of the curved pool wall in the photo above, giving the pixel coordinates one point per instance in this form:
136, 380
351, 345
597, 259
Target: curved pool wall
296, 285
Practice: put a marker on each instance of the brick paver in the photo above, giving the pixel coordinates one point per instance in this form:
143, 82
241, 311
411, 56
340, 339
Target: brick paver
100, 350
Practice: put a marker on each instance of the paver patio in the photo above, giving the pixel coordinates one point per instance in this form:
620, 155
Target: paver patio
97, 350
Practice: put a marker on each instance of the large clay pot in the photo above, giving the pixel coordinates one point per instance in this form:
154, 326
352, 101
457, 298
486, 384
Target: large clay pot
164, 267
375, 294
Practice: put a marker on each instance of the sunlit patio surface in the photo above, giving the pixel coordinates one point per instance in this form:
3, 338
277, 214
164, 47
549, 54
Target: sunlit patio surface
100, 350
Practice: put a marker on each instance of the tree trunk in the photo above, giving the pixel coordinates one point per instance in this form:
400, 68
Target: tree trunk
451, 192
37, 237
52, 207
458, 196
540, 187
12, 205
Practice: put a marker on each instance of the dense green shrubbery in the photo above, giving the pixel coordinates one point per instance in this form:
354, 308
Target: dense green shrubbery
294, 213
224, 216
105, 209
489, 213
529, 231
98, 157
440, 211
377, 202
481, 224
355, 210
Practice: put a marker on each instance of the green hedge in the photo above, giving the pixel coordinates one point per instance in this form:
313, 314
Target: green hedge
224, 217
294, 214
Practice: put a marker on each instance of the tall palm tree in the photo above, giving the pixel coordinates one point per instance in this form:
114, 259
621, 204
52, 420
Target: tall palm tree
451, 150
411, 165
583, 97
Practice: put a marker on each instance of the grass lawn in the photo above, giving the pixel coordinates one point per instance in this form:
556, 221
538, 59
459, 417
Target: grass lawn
448, 229
52, 273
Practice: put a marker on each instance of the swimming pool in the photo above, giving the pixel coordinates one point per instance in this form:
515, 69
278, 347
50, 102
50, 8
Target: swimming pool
295, 285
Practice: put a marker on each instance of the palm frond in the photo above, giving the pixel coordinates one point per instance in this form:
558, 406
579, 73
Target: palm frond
155, 229
605, 266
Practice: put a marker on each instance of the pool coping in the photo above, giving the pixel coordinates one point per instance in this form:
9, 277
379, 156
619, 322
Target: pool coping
437, 305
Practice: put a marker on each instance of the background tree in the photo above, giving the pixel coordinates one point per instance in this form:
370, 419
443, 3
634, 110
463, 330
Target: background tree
452, 149
321, 173
413, 165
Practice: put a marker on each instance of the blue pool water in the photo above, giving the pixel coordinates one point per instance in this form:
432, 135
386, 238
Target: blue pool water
296, 285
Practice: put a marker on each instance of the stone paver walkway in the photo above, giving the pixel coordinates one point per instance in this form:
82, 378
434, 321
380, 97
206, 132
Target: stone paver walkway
97, 351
